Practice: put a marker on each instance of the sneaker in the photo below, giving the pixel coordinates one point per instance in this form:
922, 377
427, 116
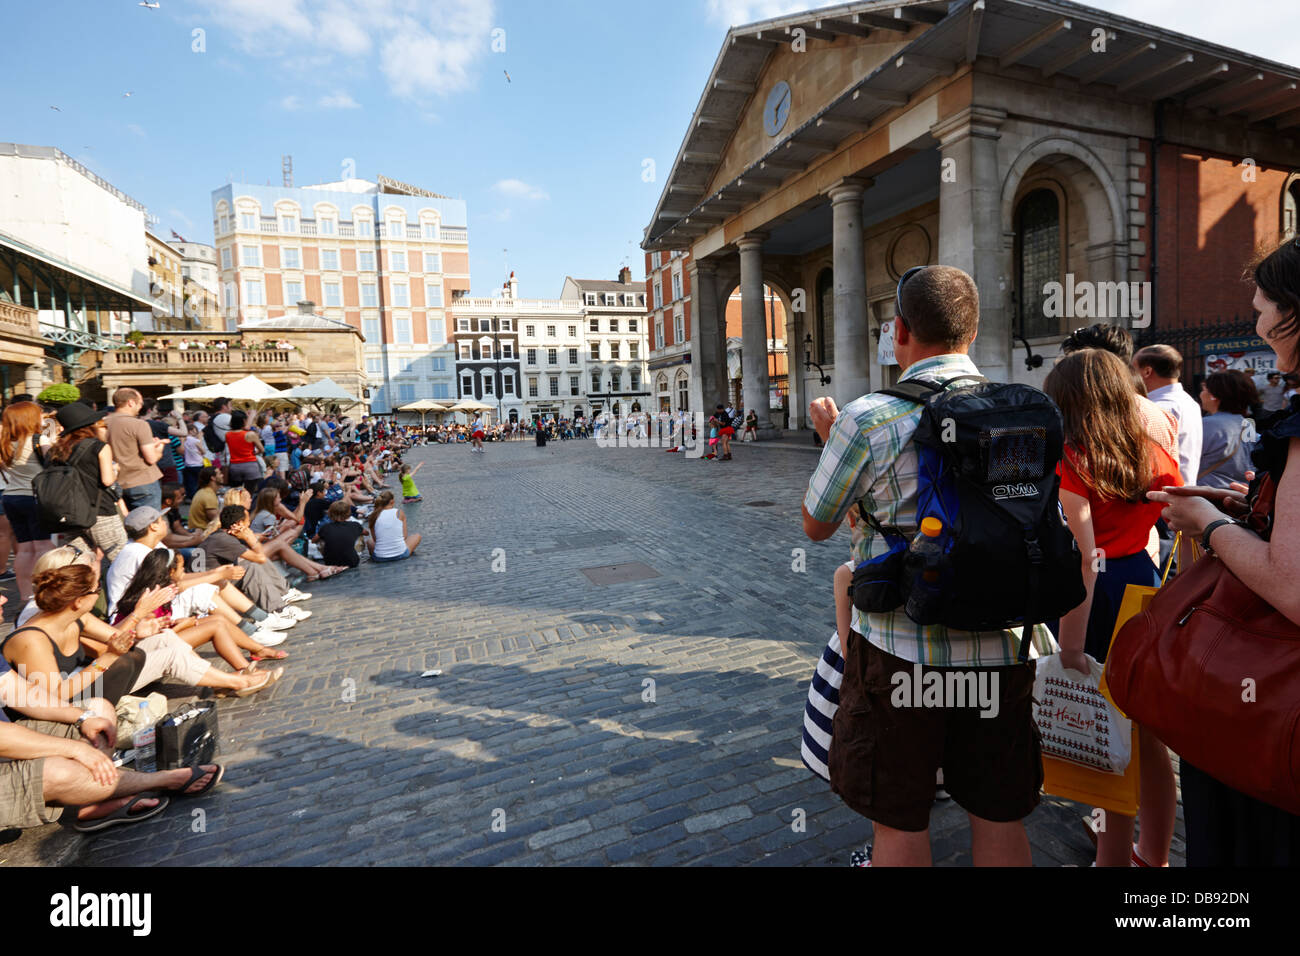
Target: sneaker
7, 576
267, 638
277, 622
297, 613
293, 596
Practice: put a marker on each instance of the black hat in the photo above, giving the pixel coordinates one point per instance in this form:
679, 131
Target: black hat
76, 415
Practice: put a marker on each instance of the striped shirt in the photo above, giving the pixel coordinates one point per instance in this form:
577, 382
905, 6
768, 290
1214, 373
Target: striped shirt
869, 457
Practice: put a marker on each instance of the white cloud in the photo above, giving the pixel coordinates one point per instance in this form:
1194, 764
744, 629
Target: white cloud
338, 101
1268, 32
518, 189
734, 13
291, 102
424, 47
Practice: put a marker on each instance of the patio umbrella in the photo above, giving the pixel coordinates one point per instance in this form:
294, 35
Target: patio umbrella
250, 388
423, 406
326, 390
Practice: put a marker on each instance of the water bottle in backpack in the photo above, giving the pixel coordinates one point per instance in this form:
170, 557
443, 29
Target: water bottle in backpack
926, 565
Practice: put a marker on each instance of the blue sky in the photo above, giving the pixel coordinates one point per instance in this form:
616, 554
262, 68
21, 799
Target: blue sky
550, 161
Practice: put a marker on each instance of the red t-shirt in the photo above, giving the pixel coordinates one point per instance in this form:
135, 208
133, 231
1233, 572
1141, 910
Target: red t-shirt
1122, 528
241, 449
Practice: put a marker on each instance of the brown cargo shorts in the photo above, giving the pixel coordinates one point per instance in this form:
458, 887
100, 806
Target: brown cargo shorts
892, 734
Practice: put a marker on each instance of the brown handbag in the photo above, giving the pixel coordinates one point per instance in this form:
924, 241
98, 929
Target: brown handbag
1213, 671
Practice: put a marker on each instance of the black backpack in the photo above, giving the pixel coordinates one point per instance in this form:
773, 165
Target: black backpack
66, 498
210, 437
987, 456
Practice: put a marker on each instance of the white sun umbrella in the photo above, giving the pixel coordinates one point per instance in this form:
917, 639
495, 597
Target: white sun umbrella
250, 388
326, 390
423, 406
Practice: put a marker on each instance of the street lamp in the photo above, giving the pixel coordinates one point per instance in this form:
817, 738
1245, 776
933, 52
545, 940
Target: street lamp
496, 352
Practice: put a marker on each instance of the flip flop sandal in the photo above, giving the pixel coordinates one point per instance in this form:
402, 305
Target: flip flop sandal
197, 773
271, 678
268, 656
123, 814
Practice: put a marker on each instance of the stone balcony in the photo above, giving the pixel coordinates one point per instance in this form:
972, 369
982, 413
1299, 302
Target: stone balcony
183, 368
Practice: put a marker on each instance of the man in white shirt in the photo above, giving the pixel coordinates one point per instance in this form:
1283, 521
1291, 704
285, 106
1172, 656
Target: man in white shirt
476, 433
1161, 367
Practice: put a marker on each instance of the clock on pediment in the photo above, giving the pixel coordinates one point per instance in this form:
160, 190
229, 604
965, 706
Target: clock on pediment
777, 108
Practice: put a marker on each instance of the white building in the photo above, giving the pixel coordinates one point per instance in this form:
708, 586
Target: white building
615, 343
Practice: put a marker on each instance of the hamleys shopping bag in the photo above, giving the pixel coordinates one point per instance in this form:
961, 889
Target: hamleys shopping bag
1076, 722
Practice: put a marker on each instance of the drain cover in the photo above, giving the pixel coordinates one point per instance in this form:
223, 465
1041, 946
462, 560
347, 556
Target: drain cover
760, 504
619, 573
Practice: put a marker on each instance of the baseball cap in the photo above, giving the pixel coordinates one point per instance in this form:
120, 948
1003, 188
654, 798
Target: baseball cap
140, 519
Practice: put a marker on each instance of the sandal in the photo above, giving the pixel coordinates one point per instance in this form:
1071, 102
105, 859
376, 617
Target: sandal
266, 655
196, 774
123, 813
270, 678
329, 572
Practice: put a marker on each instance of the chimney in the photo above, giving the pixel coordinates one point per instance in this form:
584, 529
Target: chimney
306, 308
625, 275
513, 285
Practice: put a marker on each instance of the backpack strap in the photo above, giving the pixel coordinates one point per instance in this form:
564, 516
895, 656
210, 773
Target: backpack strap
919, 390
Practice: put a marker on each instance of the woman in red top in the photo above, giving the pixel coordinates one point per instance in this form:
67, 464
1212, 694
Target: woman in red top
245, 447
1110, 464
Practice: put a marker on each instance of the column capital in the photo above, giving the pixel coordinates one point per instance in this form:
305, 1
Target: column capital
848, 189
705, 266
751, 240
980, 121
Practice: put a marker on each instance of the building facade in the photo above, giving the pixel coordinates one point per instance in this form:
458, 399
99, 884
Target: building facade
615, 344
488, 349
668, 317
1033, 144
386, 258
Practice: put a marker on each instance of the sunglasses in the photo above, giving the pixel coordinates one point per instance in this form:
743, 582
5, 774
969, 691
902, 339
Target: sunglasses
898, 295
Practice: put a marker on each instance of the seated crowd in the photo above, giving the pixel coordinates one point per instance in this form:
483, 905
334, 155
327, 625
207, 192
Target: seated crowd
152, 539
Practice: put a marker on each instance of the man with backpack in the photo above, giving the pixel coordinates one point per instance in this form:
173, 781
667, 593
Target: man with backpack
977, 461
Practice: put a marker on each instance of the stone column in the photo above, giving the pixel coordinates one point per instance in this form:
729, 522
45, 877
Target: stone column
754, 334
970, 227
851, 378
708, 374
34, 379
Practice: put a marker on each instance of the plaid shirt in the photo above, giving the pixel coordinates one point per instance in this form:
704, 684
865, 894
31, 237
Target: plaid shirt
870, 457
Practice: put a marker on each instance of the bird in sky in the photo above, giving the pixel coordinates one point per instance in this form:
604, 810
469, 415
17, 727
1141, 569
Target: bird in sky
56, 109
507, 75
151, 6
128, 93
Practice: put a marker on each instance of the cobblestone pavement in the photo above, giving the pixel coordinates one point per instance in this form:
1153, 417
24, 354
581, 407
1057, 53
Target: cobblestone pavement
654, 721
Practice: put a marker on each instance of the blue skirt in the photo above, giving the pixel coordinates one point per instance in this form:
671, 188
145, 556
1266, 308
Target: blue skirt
1108, 594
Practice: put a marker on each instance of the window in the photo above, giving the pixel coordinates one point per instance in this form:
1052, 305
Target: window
292, 292
370, 330
224, 221
677, 286
574, 385
467, 385
550, 331
530, 331
333, 295
248, 221
405, 393
654, 260
327, 227
437, 332
464, 352
253, 292
230, 296
365, 229
573, 356
507, 350
532, 388
532, 356
440, 390
555, 386
590, 298
634, 379
613, 325
402, 330
679, 328
611, 298
329, 260
432, 262
552, 357
404, 364
631, 325
401, 295
615, 380
433, 295
375, 366
488, 385
613, 350
573, 331
632, 349
683, 394
225, 257
430, 232
365, 261
250, 255
826, 317
595, 381
659, 334
292, 258
1038, 260
397, 261
437, 364
507, 383
396, 228
369, 295
485, 351
595, 351
594, 325
659, 295
485, 325
288, 224
507, 325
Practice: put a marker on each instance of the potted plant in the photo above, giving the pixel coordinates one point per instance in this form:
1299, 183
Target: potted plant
59, 395
135, 337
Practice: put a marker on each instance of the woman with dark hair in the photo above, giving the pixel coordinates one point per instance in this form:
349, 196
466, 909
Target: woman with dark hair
1109, 465
84, 445
22, 452
246, 448
1227, 439
1225, 827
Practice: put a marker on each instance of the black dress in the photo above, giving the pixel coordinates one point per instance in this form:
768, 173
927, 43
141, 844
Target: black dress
1225, 827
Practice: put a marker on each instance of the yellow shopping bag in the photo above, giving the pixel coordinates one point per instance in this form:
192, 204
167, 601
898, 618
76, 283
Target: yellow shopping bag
1117, 793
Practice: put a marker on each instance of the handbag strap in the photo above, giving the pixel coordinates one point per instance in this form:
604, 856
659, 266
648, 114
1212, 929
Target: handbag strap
1173, 552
